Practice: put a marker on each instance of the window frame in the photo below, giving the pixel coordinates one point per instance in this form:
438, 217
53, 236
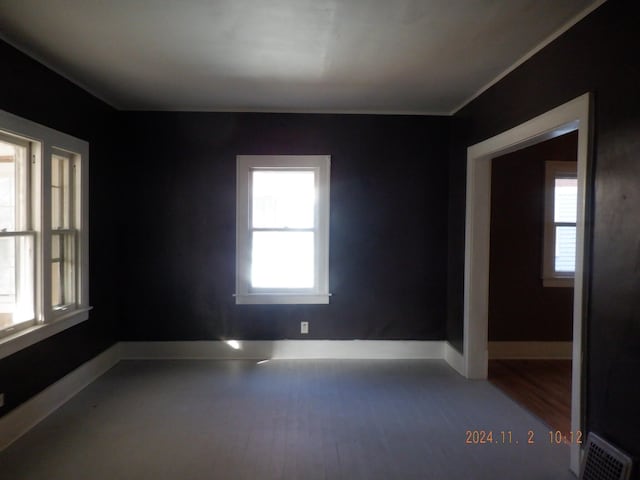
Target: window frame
554, 170
68, 256
245, 293
43, 143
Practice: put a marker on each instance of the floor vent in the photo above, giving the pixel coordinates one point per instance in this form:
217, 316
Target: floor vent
603, 461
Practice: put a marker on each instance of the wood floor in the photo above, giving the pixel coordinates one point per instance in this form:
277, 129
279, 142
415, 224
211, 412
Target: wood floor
541, 386
286, 420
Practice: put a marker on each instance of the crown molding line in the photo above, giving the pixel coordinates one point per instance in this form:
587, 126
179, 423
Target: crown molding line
422, 113
531, 53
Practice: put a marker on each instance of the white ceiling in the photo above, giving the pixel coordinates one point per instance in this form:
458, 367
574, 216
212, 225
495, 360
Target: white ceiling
392, 56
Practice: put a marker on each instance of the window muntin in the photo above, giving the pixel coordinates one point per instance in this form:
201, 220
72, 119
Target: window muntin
282, 229
561, 198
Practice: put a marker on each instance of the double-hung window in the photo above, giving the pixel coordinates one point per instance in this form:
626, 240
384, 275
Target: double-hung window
282, 230
561, 200
64, 234
43, 232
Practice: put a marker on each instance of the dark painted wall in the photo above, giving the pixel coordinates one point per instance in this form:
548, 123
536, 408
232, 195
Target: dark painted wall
388, 226
30, 90
599, 54
520, 308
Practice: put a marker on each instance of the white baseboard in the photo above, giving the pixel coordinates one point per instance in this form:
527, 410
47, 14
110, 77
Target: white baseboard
20, 420
454, 358
530, 350
285, 349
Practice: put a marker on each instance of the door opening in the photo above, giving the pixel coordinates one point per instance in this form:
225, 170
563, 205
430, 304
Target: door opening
571, 116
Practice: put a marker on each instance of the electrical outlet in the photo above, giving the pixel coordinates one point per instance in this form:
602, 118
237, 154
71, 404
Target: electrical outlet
304, 327
1, 400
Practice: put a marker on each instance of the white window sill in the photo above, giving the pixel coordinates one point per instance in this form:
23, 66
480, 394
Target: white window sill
29, 336
281, 298
558, 282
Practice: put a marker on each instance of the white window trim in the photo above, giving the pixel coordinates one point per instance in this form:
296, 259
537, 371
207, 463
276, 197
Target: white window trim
551, 278
44, 142
320, 293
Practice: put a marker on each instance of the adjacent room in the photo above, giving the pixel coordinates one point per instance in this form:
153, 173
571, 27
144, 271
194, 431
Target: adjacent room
332, 239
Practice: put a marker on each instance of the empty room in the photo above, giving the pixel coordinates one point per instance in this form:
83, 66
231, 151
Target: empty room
332, 239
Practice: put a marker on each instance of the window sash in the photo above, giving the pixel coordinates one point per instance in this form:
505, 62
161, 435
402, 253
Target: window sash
252, 230
64, 271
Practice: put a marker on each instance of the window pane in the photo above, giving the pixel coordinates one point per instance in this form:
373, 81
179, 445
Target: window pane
565, 200
13, 187
565, 259
60, 192
16, 280
63, 269
283, 199
282, 260
55, 246
7, 270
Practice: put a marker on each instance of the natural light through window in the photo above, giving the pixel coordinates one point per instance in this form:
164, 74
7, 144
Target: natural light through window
283, 199
63, 232
16, 237
282, 229
561, 200
565, 202
44, 257
282, 260
283, 219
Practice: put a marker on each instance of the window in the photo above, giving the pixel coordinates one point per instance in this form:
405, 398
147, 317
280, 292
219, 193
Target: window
561, 199
43, 232
282, 231
64, 233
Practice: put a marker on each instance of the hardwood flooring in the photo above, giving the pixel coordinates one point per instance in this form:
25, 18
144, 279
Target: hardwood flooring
541, 386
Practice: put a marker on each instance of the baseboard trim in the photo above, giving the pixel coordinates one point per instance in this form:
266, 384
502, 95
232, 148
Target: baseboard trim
530, 350
285, 349
24, 417
454, 358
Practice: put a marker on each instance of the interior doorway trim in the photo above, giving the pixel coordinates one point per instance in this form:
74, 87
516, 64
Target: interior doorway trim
571, 116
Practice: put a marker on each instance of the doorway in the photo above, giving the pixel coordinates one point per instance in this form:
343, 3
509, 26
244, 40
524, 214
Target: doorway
571, 116
533, 199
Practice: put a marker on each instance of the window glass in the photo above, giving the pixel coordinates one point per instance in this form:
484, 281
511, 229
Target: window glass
283, 199
16, 243
282, 260
565, 200
13, 187
60, 192
43, 240
63, 236
561, 209
565, 252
